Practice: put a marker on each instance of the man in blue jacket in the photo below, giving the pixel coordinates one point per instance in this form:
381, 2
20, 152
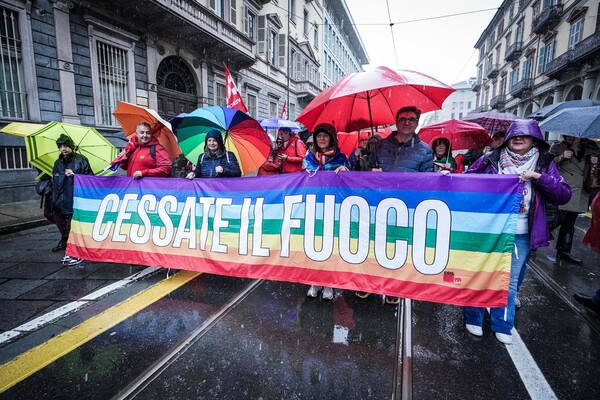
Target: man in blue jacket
402, 151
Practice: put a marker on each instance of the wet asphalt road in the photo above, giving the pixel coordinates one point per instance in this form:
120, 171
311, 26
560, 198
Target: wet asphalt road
227, 338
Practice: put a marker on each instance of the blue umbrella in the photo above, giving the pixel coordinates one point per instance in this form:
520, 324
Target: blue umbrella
552, 109
577, 122
276, 123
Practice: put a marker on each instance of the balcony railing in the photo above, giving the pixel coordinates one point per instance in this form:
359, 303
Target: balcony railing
589, 46
492, 70
521, 88
547, 20
482, 108
307, 90
557, 66
514, 51
498, 101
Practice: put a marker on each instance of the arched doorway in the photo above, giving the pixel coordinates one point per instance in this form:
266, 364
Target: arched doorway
176, 87
549, 100
575, 93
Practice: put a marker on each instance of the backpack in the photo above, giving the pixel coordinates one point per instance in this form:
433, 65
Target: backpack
180, 167
43, 187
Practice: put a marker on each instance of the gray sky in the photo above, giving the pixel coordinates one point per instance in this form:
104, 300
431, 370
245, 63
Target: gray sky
440, 47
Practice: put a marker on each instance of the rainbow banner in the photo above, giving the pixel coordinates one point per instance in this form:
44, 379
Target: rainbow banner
422, 236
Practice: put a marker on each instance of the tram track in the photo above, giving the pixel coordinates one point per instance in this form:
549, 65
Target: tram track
160, 365
565, 296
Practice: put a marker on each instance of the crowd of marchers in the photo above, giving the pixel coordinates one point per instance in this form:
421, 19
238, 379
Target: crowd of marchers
557, 175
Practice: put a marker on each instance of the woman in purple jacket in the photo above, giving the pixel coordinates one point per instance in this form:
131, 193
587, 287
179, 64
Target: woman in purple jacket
523, 152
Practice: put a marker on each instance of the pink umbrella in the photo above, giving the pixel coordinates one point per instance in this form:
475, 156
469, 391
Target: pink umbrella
365, 99
462, 135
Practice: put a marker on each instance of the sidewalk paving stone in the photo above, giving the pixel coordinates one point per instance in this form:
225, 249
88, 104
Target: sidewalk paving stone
13, 288
31, 270
15, 313
67, 290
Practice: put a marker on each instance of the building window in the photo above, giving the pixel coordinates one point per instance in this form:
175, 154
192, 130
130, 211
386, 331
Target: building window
273, 109
527, 67
575, 34
251, 104
316, 36
546, 55
220, 95
113, 72
514, 77
226, 9
306, 25
113, 80
272, 47
13, 102
268, 41
13, 158
250, 24
292, 8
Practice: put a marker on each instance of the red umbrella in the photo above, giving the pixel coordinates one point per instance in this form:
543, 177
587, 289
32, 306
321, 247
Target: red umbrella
347, 142
461, 134
365, 99
492, 121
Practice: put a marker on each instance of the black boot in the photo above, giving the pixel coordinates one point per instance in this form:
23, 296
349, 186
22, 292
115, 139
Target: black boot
60, 246
564, 252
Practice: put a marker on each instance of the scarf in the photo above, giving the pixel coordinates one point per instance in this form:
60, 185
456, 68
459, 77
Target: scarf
510, 159
513, 163
323, 157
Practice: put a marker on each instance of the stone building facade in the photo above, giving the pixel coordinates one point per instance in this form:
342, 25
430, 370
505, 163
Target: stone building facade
72, 61
536, 53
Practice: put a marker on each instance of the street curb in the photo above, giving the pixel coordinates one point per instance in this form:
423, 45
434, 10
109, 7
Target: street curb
6, 229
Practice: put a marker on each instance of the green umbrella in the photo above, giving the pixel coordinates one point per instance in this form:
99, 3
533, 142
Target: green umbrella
42, 151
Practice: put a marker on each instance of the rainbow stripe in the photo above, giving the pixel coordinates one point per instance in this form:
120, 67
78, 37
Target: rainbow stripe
422, 236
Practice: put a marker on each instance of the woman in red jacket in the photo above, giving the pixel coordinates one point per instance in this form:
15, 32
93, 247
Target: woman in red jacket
293, 151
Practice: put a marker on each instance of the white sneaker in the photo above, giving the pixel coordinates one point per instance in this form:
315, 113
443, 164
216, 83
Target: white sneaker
517, 302
313, 291
504, 338
474, 329
327, 293
75, 261
65, 260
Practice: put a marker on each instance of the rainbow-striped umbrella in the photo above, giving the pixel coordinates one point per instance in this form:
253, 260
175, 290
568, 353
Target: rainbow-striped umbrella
242, 135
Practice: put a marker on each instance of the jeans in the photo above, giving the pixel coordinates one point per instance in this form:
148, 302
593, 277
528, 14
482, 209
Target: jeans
503, 318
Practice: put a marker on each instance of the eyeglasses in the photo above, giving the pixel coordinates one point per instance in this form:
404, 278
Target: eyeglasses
405, 120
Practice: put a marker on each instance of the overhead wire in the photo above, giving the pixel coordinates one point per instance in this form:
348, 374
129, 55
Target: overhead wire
392, 32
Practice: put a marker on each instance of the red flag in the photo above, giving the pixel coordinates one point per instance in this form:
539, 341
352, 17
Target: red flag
283, 110
234, 99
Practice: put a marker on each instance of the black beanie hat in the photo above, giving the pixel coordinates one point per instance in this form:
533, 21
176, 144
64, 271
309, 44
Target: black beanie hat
66, 140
